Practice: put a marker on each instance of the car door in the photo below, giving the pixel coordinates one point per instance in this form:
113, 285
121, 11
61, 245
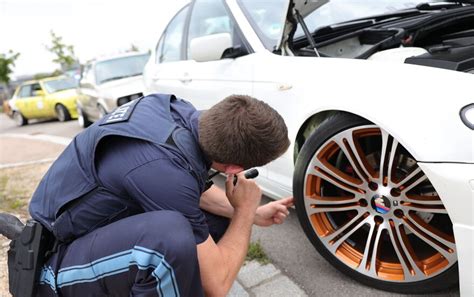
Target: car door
38, 103
211, 81
167, 71
24, 102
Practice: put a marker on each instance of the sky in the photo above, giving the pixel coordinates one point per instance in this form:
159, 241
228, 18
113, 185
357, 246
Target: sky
94, 27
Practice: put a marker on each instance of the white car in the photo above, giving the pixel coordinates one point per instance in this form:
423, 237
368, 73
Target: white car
109, 82
382, 157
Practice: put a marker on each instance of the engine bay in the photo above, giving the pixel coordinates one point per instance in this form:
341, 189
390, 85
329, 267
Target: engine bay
442, 39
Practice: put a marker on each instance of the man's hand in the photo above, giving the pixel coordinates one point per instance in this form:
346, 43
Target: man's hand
219, 263
274, 212
245, 195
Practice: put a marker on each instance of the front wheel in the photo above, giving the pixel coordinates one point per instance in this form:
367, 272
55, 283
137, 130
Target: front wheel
62, 113
369, 209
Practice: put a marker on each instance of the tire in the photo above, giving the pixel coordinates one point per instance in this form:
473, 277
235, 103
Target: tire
20, 120
62, 113
389, 231
82, 118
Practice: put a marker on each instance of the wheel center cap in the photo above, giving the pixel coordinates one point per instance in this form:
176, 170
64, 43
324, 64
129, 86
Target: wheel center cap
381, 204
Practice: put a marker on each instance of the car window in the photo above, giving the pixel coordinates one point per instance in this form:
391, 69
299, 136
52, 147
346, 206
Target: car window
172, 39
118, 68
210, 17
35, 87
267, 19
159, 49
25, 91
61, 84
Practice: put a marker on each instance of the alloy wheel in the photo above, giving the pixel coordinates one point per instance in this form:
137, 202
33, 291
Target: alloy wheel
374, 209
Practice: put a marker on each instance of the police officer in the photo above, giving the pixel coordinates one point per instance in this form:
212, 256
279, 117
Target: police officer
128, 204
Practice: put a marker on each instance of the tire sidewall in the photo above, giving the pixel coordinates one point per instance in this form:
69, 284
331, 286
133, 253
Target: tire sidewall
82, 118
19, 118
330, 127
62, 113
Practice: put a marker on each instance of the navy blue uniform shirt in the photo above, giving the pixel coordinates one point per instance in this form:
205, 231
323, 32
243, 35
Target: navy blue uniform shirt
156, 178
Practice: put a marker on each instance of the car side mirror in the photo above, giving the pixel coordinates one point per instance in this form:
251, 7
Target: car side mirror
209, 47
38, 93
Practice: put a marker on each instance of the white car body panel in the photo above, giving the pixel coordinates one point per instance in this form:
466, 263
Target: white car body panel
109, 92
455, 185
419, 106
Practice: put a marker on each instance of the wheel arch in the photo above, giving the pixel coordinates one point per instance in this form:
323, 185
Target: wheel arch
101, 102
311, 124
57, 103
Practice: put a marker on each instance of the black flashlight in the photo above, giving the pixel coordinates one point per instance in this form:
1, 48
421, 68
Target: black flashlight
251, 173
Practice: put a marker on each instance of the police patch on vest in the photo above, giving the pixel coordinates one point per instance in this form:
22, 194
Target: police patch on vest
121, 113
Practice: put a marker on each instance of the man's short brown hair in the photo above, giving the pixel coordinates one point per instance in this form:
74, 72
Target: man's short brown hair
243, 131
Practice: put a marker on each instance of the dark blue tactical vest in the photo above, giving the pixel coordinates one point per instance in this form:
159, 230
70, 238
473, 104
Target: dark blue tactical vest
70, 201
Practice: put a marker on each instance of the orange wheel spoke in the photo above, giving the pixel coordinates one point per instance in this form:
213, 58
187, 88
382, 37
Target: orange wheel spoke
329, 200
443, 246
368, 262
429, 208
336, 242
329, 239
326, 168
410, 176
404, 252
335, 181
422, 200
355, 154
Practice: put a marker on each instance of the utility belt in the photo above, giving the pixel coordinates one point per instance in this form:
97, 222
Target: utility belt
26, 257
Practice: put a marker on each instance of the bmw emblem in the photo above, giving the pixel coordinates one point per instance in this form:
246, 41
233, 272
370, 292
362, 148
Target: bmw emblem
381, 204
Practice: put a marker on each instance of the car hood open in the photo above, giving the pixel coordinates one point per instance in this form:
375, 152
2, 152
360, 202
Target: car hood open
305, 8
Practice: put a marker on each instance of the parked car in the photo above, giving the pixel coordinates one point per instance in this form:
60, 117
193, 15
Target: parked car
107, 83
53, 97
381, 163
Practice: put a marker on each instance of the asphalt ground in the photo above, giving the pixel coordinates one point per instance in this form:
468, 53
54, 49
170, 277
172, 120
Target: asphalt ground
286, 245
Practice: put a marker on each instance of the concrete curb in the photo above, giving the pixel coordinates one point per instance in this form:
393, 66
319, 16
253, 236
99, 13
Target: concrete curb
257, 280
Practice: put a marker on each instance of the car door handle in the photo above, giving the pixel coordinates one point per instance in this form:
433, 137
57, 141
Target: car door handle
185, 79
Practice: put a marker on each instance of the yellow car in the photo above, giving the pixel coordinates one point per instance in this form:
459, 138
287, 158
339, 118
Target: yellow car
53, 97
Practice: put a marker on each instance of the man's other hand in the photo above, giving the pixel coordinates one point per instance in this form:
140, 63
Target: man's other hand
274, 212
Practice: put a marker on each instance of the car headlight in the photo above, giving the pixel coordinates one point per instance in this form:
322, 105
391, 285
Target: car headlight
467, 115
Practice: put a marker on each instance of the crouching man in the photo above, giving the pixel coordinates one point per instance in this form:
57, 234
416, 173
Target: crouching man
128, 204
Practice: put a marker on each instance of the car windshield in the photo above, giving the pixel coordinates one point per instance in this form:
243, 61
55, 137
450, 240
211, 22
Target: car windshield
57, 85
120, 68
267, 16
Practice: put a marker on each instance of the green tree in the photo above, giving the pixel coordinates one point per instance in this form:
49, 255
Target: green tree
7, 62
64, 53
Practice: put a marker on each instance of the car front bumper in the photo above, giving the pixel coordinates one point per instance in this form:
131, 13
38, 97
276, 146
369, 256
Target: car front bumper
454, 183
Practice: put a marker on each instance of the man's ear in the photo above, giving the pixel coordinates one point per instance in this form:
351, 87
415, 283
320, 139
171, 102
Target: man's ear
232, 169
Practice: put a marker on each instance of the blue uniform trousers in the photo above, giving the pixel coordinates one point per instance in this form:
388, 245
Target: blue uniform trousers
149, 254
